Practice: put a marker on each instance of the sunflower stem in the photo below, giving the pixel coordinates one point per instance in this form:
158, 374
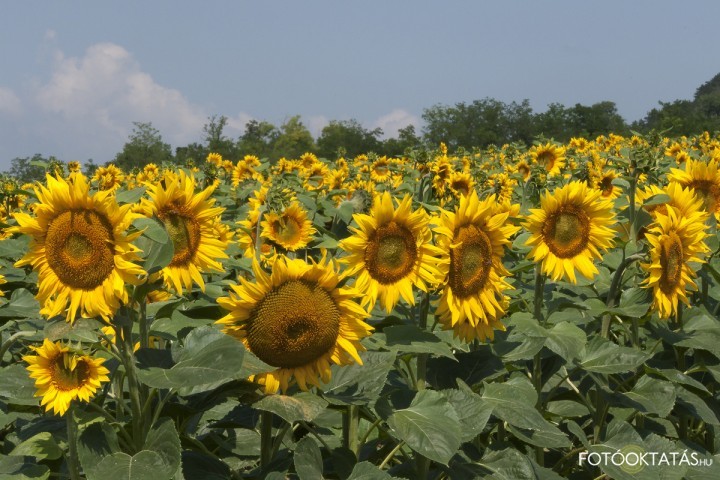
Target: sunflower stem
422, 358
351, 425
612, 293
266, 439
72, 460
537, 360
144, 327
133, 387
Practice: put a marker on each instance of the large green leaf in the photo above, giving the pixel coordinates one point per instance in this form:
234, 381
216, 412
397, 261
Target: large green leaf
308, 460
102, 459
567, 340
471, 410
16, 386
209, 358
652, 396
22, 468
603, 356
158, 249
429, 426
41, 446
303, 406
410, 339
360, 384
368, 471
514, 402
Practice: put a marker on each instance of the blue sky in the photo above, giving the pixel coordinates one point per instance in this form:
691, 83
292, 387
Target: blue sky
74, 76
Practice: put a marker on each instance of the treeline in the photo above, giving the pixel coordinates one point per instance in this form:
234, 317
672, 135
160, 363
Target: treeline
476, 124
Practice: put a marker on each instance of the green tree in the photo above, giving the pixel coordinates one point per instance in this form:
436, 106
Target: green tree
348, 135
145, 146
597, 119
258, 139
406, 140
554, 122
293, 140
216, 141
29, 169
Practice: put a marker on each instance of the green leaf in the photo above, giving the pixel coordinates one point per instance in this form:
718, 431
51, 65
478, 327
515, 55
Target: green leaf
368, 471
156, 244
41, 446
429, 426
471, 410
514, 402
567, 340
697, 407
303, 406
16, 386
22, 304
603, 356
102, 460
634, 303
410, 339
209, 357
20, 468
360, 384
651, 396
509, 464
308, 460
130, 196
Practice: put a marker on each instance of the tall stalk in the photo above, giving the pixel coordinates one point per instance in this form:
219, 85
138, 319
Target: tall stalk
537, 360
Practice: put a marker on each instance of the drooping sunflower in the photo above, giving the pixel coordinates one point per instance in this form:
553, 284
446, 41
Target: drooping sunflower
290, 229
461, 183
702, 177
549, 156
190, 219
297, 319
571, 228
675, 240
63, 375
606, 186
475, 237
391, 252
79, 248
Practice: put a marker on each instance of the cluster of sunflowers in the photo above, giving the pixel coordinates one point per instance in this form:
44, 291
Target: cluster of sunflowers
313, 254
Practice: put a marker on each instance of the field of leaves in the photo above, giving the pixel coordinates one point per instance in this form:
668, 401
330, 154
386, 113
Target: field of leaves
508, 313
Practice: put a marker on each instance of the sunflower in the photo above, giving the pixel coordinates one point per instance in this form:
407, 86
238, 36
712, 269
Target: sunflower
551, 157
290, 229
570, 229
606, 186
704, 178
380, 170
683, 199
523, 169
79, 248
461, 183
391, 251
63, 375
109, 178
675, 240
190, 220
474, 237
214, 159
297, 319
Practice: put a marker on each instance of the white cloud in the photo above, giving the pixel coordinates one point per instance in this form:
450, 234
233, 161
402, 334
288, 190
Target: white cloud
394, 121
107, 90
9, 102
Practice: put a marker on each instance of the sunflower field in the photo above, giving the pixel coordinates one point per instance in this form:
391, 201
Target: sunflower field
548, 311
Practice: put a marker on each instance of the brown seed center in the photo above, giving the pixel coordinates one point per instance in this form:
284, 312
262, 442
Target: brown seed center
391, 253
671, 263
567, 231
470, 261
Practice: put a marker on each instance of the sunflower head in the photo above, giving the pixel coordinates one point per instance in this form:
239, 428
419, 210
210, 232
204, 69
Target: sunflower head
63, 375
675, 240
475, 237
702, 177
80, 249
290, 229
191, 222
392, 251
297, 319
549, 156
571, 228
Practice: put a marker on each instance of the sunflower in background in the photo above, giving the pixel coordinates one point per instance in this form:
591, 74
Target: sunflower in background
297, 319
550, 157
475, 237
571, 228
190, 220
62, 375
80, 249
675, 240
702, 177
391, 252
289, 229
109, 178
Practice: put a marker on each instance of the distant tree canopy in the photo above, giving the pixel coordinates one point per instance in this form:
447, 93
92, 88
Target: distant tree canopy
475, 124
